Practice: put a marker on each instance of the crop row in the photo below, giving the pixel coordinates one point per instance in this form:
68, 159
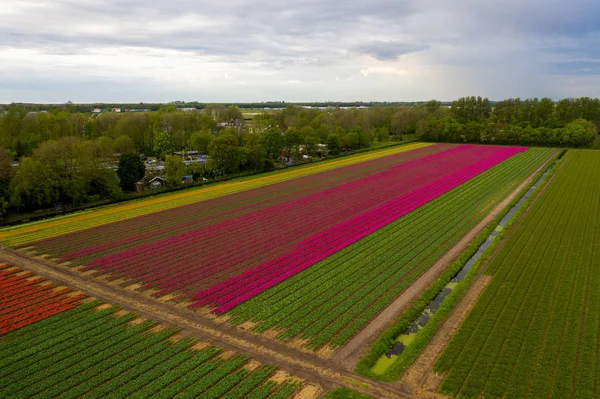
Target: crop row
95, 243
236, 290
25, 301
204, 257
336, 297
58, 226
98, 352
534, 331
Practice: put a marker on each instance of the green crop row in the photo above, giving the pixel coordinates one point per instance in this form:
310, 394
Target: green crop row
97, 353
332, 300
534, 331
411, 353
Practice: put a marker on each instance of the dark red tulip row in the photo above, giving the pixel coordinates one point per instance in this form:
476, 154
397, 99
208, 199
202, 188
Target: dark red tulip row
83, 246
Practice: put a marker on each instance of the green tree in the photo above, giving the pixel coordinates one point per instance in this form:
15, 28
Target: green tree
224, 154
273, 142
200, 141
432, 106
104, 147
293, 139
333, 144
255, 153
35, 185
351, 141
164, 145
123, 144
174, 170
131, 170
6, 174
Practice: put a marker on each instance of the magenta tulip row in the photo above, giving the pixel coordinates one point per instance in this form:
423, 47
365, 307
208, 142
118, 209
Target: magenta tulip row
243, 287
122, 235
201, 258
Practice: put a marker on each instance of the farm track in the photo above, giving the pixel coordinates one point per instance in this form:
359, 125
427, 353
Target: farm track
349, 355
263, 349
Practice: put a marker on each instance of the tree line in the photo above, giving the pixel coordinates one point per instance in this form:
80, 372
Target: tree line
68, 158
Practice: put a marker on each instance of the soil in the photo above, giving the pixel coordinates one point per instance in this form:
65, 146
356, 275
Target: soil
348, 356
420, 375
308, 392
305, 365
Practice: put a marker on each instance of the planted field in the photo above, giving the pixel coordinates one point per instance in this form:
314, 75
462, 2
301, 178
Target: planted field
535, 330
331, 301
223, 252
25, 299
97, 351
83, 220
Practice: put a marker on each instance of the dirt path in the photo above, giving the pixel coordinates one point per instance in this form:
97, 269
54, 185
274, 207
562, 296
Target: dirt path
420, 376
263, 349
348, 356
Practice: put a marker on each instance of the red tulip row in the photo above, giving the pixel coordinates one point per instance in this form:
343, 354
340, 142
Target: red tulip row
23, 301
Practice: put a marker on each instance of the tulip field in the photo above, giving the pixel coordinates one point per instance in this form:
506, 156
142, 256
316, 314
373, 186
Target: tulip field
36, 231
25, 299
535, 330
95, 350
332, 300
313, 256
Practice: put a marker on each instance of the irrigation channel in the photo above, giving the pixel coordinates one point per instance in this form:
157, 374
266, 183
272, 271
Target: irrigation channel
408, 336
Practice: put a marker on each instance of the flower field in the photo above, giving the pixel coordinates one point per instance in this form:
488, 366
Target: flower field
335, 298
35, 231
222, 252
94, 350
25, 299
535, 330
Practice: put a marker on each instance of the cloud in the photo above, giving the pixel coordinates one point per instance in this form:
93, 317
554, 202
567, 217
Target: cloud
388, 50
111, 50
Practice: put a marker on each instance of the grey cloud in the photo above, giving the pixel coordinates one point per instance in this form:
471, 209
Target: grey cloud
316, 41
388, 50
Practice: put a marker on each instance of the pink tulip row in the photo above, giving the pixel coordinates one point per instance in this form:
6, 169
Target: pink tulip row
205, 257
243, 287
122, 235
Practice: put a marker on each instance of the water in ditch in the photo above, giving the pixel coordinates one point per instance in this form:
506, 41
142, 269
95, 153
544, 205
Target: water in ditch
408, 336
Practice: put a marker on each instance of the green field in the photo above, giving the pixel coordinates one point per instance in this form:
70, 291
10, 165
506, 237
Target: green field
334, 299
99, 352
534, 332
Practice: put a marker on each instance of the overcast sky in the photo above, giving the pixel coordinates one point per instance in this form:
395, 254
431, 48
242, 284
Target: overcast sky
303, 50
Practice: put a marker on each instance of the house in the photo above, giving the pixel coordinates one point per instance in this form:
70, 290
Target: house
96, 110
116, 110
156, 182
233, 123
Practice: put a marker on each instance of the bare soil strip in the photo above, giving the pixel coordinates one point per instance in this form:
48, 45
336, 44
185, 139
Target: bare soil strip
348, 356
420, 376
306, 366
